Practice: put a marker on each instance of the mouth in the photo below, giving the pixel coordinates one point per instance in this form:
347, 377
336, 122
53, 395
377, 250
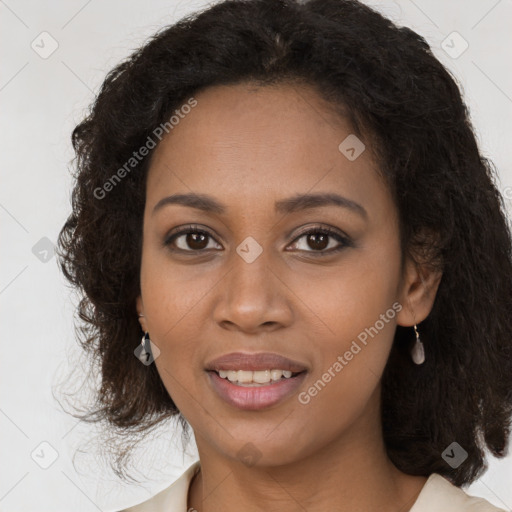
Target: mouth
244, 361
247, 378
253, 396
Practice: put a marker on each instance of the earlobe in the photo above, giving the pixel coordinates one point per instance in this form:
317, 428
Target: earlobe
140, 313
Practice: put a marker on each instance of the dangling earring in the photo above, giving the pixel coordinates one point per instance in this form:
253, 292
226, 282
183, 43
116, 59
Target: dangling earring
145, 354
418, 351
145, 342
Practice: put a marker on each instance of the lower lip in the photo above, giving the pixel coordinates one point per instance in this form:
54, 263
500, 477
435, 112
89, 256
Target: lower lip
257, 397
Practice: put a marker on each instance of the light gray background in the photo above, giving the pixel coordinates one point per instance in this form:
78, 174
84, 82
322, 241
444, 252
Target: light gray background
41, 100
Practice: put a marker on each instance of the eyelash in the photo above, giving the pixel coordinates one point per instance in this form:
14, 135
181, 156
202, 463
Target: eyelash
345, 241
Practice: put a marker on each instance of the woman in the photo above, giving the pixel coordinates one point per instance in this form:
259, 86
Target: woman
285, 203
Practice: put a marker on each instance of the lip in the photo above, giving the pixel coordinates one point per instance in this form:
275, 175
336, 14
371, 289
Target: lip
258, 397
254, 362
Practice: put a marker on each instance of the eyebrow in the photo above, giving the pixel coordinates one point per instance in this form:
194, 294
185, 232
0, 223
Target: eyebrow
293, 204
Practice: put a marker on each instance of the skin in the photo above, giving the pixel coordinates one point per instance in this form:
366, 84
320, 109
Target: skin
248, 147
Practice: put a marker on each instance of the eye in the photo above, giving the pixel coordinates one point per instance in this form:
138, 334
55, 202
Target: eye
193, 237
319, 239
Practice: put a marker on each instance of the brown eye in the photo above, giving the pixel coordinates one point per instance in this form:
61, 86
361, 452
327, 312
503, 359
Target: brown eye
196, 240
318, 240
190, 239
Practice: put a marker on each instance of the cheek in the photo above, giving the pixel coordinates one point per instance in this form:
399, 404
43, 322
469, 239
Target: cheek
172, 293
358, 322
171, 300
349, 374
350, 298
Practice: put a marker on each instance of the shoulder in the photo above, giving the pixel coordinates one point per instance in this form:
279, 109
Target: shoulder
440, 495
172, 498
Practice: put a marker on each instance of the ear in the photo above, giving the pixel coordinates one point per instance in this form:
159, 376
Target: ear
417, 292
140, 311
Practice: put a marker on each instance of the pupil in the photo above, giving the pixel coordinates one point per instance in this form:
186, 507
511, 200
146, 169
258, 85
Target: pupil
193, 243
323, 240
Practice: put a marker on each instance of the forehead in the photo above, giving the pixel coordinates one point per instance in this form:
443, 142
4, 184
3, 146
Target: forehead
241, 142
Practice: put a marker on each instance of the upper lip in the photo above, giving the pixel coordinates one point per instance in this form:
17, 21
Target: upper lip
254, 362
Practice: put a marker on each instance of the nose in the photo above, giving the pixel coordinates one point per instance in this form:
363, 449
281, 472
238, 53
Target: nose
252, 297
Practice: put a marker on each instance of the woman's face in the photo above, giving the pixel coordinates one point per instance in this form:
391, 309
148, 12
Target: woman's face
257, 284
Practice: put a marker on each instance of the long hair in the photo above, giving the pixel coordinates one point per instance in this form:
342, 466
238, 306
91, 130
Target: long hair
394, 92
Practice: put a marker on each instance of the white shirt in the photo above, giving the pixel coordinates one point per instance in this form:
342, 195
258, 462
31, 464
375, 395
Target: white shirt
437, 495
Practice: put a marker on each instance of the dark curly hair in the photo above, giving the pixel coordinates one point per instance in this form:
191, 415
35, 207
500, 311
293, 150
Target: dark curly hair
385, 80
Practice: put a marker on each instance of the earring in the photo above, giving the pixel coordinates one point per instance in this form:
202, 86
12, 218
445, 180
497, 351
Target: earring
146, 343
418, 351
146, 346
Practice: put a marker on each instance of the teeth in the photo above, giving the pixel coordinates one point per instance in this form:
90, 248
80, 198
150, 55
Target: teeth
258, 377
